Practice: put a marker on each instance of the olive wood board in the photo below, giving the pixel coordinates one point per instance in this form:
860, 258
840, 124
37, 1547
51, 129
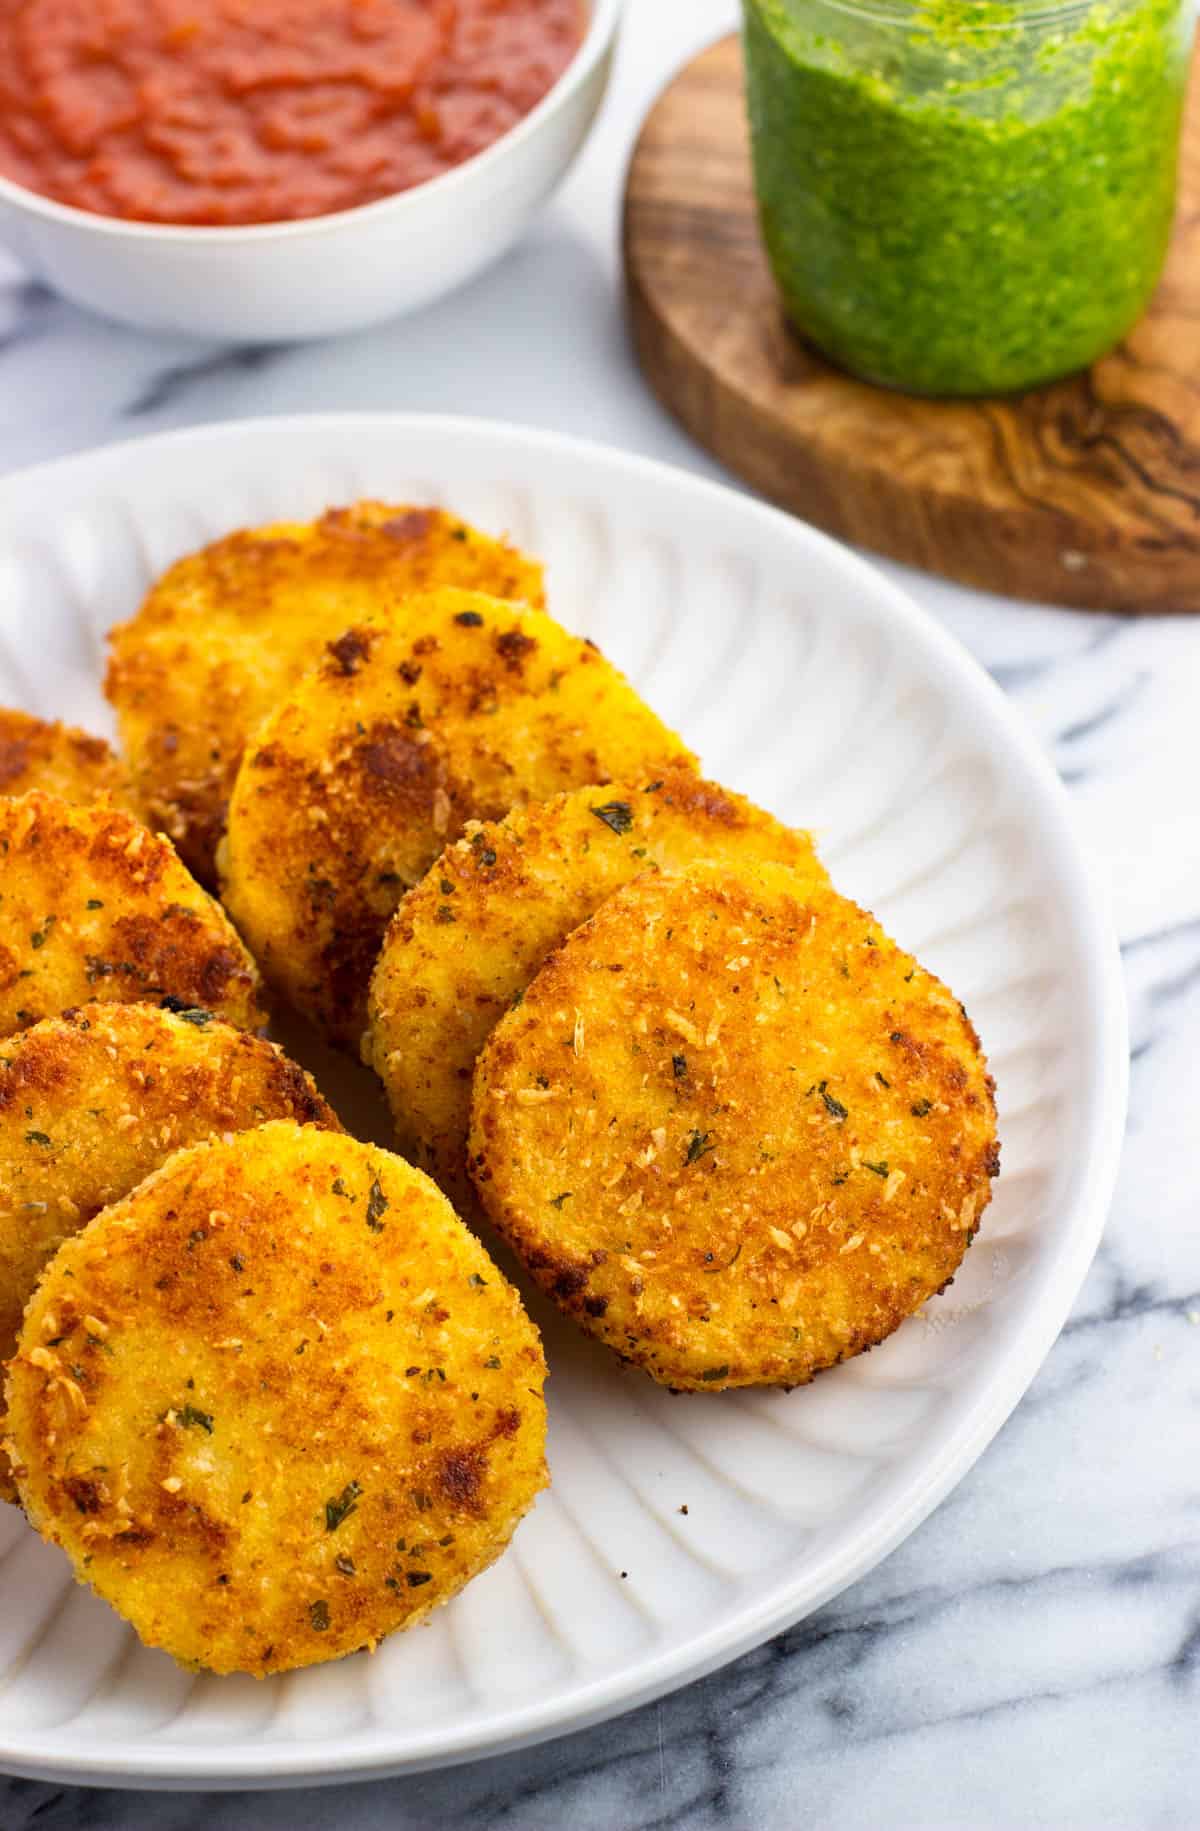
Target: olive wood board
1084, 493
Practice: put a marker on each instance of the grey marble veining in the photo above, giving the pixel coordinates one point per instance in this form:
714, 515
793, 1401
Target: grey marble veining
1031, 1656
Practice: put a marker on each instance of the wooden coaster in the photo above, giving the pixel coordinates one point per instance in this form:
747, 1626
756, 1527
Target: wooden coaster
1084, 493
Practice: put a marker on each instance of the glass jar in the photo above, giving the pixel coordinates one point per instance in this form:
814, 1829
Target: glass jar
966, 196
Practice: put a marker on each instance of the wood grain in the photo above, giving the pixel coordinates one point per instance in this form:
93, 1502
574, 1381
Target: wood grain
1085, 493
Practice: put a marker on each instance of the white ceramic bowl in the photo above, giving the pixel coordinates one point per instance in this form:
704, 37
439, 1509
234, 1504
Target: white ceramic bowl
273, 282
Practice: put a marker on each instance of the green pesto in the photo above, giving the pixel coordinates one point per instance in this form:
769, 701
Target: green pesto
965, 197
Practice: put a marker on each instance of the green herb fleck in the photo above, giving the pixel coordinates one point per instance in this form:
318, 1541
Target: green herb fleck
921, 1109
94, 902
476, 1280
40, 935
444, 915
832, 1106
616, 815
415, 1578
711, 1374
557, 1201
191, 1416
344, 1564
876, 1169
493, 1360
318, 1614
342, 1506
469, 619
698, 1146
679, 1066
41, 1138
377, 1204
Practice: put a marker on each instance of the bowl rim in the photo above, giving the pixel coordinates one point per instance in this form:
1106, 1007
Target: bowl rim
604, 18
1103, 1109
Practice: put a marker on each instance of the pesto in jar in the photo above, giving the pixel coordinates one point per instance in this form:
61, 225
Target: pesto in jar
965, 196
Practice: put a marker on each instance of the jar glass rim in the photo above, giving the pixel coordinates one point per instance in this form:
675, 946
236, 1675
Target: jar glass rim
1014, 15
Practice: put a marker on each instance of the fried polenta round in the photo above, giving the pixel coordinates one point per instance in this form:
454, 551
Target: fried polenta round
92, 1101
278, 1402
226, 631
462, 707
94, 908
61, 759
733, 1130
465, 943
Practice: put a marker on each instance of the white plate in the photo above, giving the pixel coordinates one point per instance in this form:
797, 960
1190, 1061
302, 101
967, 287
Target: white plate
806, 680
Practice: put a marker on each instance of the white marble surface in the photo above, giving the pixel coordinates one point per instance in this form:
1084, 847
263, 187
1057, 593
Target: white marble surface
1031, 1656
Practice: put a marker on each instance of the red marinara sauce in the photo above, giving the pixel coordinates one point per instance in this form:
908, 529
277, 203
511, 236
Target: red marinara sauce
250, 111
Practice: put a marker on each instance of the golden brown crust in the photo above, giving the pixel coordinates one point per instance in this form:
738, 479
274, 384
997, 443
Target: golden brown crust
224, 634
462, 707
93, 1101
466, 941
61, 759
278, 1402
97, 909
733, 1130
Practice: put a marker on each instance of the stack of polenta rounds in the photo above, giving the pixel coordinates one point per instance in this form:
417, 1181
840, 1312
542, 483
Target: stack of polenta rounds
265, 1387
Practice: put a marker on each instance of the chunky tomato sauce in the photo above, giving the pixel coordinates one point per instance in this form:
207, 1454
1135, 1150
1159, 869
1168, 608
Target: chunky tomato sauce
245, 111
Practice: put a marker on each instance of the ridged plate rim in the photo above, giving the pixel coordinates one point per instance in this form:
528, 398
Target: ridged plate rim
932, 652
